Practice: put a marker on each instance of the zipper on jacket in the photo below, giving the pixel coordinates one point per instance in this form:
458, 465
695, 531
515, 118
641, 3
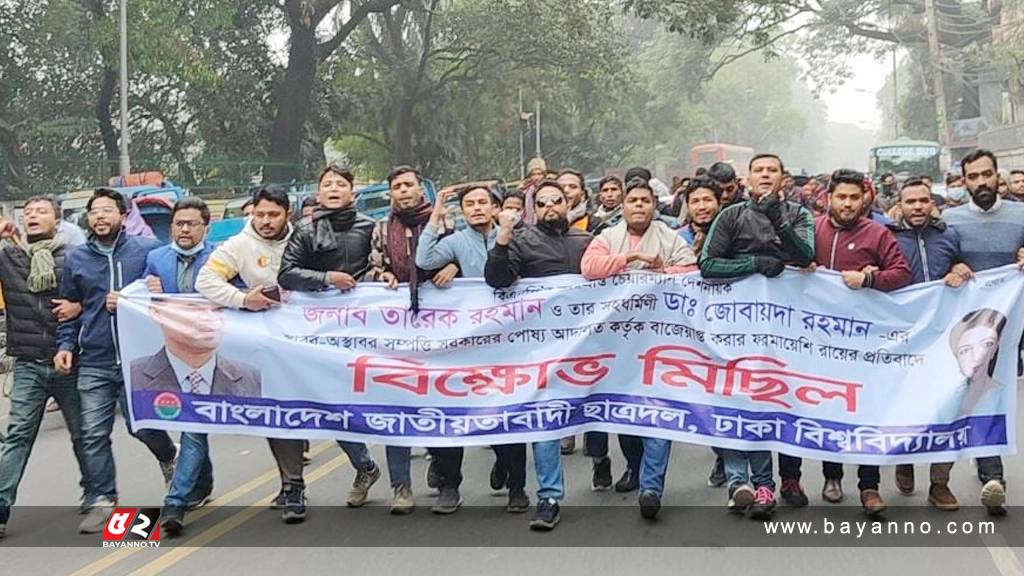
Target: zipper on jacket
924, 256
113, 321
832, 256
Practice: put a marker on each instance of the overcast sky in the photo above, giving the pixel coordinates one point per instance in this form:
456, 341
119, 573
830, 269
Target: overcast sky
856, 101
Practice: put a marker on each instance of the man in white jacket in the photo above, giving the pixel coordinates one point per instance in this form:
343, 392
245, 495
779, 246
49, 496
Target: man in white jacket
254, 256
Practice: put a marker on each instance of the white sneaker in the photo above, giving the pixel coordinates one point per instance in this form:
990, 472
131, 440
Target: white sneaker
993, 497
97, 515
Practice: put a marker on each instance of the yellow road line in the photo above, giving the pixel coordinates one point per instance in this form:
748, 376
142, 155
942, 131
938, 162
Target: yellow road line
106, 562
224, 526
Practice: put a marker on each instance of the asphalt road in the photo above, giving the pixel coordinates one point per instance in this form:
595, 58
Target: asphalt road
601, 532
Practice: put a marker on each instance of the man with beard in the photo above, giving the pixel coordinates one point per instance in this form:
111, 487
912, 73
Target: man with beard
609, 209
93, 275
30, 272
991, 235
576, 194
331, 251
758, 236
932, 250
725, 175
1017, 184
536, 172
468, 249
392, 260
868, 256
549, 248
887, 197
254, 257
637, 243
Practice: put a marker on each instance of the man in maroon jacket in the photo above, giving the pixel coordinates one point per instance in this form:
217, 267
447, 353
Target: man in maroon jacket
868, 256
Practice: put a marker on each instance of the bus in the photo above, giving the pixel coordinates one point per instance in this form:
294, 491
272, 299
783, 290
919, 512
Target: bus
906, 158
704, 155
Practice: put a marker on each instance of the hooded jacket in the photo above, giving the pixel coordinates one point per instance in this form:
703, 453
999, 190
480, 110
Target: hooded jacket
930, 251
31, 323
89, 274
307, 258
536, 252
246, 256
864, 243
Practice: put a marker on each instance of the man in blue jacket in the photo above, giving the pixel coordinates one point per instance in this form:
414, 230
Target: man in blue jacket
932, 250
173, 269
93, 276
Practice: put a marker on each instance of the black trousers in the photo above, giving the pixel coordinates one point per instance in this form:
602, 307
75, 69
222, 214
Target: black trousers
868, 476
990, 468
448, 464
512, 458
595, 445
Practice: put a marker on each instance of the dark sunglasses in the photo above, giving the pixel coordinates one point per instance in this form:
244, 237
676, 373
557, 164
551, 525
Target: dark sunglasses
555, 201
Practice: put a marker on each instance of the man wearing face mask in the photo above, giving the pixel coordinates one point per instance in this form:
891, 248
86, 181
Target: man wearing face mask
94, 275
956, 194
991, 235
548, 248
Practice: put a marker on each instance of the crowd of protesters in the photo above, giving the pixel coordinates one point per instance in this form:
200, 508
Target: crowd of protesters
62, 293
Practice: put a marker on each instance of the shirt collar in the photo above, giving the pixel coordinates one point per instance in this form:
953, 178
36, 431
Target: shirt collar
182, 371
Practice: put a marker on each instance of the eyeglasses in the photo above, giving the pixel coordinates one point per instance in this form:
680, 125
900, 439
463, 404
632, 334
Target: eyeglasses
182, 224
552, 201
103, 211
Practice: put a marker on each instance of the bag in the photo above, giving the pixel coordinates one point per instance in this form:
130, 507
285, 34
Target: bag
137, 179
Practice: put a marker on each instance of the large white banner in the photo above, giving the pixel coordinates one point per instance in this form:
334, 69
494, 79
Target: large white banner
798, 364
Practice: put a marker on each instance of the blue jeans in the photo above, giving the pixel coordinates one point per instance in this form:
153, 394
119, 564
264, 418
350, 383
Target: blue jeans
759, 462
193, 473
99, 390
34, 383
357, 454
654, 465
547, 461
398, 465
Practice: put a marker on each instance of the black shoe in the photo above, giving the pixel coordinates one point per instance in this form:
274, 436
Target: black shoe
717, 477
793, 494
547, 516
433, 476
278, 502
499, 477
518, 501
602, 480
448, 501
294, 506
628, 482
199, 498
172, 520
650, 504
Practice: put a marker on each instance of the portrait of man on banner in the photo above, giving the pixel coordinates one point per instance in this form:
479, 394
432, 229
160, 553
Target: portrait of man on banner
974, 341
189, 362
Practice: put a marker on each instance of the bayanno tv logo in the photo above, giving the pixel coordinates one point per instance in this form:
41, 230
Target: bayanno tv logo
132, 528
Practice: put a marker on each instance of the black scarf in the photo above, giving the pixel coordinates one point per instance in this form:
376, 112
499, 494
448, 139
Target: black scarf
327, 224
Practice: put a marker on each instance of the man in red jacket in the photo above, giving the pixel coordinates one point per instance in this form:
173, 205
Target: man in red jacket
868, 256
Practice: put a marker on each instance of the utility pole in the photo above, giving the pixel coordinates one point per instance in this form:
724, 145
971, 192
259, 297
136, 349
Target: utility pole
125, 164
538, 130
895, 84
935, 55
522, 140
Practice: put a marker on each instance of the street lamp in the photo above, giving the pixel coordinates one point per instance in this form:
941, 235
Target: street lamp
125, 162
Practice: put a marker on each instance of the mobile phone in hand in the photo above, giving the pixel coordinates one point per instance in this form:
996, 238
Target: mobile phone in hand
272, 292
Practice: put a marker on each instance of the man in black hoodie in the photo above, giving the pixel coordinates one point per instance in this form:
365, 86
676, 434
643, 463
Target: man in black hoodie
548, 248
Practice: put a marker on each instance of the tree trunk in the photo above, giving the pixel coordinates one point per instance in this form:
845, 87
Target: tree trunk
292, 107
402, 152
108, 84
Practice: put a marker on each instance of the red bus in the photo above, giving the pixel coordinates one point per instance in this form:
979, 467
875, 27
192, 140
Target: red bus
704, 155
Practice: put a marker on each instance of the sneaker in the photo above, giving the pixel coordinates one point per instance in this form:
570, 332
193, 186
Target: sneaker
433, 476
365, 479
172, 520
568, 445
650, 504
872, 502
403, 501
518, 501
499, 477
167, 469
764, 504
717, 477
940, 496
278, 502
448, 501
993, 497
740, 498
628, 482
199, 499
602, 480
793, 493
832, 491
905, 479
294, 506
547, 516
96, 517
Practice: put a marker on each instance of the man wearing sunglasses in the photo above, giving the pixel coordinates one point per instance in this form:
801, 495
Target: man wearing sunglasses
548, 248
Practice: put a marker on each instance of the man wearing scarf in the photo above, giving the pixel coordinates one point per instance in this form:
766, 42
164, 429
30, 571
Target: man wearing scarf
173, 269
393, 261
29, 273
331, 251
609, 209
536, 172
